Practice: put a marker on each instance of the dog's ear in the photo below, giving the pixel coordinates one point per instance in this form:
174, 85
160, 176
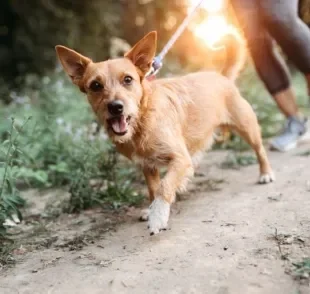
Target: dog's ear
73, 63
143, 53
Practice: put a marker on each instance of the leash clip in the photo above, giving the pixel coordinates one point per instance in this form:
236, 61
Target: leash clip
155, 67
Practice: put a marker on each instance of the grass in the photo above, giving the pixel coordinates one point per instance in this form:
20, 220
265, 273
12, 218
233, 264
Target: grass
302, 269
10, 200
236, 160
6, 249
57, 148
305, 153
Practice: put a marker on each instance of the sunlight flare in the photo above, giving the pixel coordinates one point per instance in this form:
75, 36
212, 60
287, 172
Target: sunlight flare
211, 6
215, 26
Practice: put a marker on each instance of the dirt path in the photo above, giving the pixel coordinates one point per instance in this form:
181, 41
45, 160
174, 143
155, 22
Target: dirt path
240, 239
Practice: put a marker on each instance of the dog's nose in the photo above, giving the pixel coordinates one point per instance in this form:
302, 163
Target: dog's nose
116, 107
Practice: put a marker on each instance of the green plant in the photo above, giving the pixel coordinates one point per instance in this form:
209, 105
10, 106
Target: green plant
105, 182
58, 148
6, 248
305, 153
10, 200
236, 161
302, 269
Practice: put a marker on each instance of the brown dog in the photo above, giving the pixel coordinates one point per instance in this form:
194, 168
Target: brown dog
167, 122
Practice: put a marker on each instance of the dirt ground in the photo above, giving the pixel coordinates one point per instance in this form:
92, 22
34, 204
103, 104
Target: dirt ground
227, 235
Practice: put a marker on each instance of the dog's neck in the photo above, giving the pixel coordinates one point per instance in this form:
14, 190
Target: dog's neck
147, 93
145, 107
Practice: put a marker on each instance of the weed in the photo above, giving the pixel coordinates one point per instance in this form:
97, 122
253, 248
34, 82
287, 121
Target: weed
102, 183
302, 269
236, 161
305, 153
6, 248
57, 148
10, 200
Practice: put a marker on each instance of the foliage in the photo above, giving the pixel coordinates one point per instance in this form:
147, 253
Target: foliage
58, 147
10, 200
39, 25
236, 161
305, 153
104, 182
302, 269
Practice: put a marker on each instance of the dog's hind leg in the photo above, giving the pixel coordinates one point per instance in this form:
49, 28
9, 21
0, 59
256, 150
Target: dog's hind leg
244, 121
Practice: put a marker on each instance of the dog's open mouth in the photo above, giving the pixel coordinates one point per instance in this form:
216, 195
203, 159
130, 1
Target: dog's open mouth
119, 124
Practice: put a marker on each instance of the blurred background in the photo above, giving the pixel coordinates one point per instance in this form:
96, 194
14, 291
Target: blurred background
48, 137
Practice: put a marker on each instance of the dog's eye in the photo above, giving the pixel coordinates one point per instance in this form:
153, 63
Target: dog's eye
96, 86
128, 80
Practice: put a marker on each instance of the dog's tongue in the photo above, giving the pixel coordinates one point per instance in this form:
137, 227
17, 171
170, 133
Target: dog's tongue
119, 125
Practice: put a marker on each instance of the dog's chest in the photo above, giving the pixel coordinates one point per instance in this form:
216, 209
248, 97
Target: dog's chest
142, 161
151, 160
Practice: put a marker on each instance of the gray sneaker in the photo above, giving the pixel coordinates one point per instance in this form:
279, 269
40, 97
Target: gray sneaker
293, 132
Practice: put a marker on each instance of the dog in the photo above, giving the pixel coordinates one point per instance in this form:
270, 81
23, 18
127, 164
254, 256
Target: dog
166, 122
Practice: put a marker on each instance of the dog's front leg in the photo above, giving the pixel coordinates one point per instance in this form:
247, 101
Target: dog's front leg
152, 178
179, 168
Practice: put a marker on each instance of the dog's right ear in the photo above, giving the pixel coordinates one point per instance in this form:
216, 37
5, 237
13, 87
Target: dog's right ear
73, 63
143, 53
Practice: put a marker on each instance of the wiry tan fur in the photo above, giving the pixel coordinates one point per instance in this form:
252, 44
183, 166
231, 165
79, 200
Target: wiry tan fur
171, 121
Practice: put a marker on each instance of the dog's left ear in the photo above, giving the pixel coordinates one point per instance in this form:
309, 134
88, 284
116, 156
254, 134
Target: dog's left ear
143, 53
73, 63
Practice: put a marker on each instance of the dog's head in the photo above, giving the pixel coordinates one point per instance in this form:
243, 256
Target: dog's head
115, 88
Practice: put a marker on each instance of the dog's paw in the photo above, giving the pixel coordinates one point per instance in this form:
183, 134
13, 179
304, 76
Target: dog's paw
267, 178
144, 215
158, 216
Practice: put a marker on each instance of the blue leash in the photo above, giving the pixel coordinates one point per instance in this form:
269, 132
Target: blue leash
158, 60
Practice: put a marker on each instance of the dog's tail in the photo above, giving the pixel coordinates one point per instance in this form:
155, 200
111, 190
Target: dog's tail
236, 54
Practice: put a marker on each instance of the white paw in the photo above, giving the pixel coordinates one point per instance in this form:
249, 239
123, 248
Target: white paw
267, 178
158, 216
144, 215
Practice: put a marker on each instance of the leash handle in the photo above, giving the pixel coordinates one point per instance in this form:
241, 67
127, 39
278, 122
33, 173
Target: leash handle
157, 62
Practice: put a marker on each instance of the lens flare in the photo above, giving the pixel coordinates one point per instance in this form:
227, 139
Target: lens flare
211, 6
212, 30
215, 26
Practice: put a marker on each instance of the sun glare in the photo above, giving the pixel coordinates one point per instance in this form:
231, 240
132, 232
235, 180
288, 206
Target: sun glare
212, 30
215, 26
212, 6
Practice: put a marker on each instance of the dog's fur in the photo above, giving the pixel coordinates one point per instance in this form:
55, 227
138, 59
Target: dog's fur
169, 122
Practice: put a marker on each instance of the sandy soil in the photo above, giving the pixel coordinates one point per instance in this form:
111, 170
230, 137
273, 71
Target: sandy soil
227, 235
